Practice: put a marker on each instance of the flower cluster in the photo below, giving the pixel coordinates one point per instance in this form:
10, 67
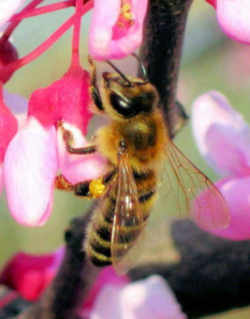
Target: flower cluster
37, 141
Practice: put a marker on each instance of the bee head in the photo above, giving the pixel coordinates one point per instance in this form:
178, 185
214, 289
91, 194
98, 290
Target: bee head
128, 96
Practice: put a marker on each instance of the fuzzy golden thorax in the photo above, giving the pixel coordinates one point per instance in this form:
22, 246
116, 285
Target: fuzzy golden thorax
146, 138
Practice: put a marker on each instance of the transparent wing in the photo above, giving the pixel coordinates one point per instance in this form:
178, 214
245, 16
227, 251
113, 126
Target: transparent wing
128, 221
190, 192
185, 191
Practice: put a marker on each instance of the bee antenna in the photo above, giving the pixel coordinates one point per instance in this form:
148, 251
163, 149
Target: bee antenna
142, 67
123, 76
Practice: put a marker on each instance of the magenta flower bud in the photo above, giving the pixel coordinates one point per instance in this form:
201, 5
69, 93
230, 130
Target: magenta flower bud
8, 54
30, 274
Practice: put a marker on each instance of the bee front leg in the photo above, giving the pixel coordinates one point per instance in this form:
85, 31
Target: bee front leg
69, 139
94, 90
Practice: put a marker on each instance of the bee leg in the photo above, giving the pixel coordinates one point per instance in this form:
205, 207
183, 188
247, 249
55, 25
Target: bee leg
94, 188
68, 139
95, 93
81, 150
80, 189
143, 71
62, 183
177, 118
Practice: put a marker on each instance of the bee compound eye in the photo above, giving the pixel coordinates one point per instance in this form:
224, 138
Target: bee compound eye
123, 105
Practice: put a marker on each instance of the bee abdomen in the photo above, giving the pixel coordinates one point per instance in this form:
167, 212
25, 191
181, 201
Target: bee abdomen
100, 233
98, 243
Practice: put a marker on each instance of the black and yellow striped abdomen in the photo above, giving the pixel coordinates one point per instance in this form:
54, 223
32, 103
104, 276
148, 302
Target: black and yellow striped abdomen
98, 243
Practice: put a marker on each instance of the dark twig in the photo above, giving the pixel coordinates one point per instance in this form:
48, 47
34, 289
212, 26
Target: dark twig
161, 52
212, 276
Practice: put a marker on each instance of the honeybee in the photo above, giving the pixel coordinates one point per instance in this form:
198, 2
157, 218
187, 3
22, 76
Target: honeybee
137, 146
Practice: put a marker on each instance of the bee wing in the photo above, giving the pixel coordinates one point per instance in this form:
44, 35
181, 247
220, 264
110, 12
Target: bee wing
128, 221
189, 191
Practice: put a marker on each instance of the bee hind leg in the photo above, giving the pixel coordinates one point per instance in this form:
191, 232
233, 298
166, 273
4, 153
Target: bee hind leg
90, 189
94, 188
62, 183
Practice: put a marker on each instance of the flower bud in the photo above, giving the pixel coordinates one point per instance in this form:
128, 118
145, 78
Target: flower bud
8, 54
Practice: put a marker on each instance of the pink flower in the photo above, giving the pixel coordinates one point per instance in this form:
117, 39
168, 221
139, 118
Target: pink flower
106, 277
233, 17
36, 153
116, 28
111, 296
223, 138
8, 8
145, 299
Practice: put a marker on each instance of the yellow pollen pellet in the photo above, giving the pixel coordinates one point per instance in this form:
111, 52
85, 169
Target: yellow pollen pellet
126, 11
96, 188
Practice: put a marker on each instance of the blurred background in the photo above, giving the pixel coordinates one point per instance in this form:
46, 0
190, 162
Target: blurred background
210, 61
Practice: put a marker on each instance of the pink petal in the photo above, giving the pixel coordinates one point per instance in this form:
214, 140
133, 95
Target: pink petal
29, 171
78, 168
210, 210
8, 127
234, 18
222, 135
236, 193
230, 149
212, 2
66, 99
107, 276
145, 299
8, 8
103, 19
103, 44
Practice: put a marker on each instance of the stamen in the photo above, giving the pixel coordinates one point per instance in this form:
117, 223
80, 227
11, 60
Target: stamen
126, 11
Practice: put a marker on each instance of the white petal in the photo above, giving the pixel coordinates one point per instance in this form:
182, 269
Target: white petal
8, 8
145, 299
30, 167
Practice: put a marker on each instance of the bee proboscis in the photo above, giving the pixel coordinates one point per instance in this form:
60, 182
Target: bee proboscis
137, 145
